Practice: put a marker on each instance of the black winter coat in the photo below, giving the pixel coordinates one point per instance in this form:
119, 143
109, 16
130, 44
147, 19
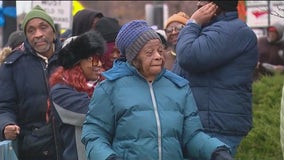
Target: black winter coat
23, 96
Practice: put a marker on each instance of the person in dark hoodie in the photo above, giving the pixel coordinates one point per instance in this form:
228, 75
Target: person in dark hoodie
217, 53
109, 28
72, 86
85, 20
24, 88
271, 51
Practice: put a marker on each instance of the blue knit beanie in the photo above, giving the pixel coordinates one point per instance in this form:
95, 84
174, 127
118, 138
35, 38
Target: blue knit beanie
133, 36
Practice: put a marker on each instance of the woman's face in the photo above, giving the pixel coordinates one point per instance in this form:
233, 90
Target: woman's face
92, 68
150, 61
172, 32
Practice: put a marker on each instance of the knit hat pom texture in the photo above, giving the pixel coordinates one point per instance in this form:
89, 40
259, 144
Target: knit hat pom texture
37, 12
133, 36
180, 17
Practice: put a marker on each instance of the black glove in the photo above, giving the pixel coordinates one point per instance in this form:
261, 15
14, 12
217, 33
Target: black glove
113, 157
221, 155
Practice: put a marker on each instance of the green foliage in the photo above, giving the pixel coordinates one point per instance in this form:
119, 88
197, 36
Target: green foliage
263, 141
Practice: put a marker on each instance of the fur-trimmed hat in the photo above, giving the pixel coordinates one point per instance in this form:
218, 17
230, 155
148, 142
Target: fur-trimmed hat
133, 36
227, 5
81, 47
108, 27
37, 12
180, 17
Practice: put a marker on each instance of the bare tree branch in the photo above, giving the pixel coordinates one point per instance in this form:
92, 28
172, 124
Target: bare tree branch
279, 12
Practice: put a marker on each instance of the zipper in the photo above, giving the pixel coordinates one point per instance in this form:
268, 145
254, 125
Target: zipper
157, 121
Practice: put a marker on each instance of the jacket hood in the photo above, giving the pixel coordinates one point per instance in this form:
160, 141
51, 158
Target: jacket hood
279, 28
83, 21
121, 68
5, 53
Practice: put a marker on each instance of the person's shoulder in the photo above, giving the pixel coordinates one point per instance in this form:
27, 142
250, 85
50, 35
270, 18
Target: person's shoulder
13, 56
6, 51
176, 79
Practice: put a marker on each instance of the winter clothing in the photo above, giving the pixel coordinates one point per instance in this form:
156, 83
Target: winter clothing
218, 60
163, 38
23, 97
108, 27
37, 12
221, 155
15, 39
5, 52
65, 35
157, 122
180, 17
81, 47
270, 52
179, 21
70, 107
277, 27
130, 43
70, 103
227, 5
83, 21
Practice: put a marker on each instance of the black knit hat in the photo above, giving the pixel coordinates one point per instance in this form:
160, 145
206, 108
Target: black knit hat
227, 5
81, 47
108, 27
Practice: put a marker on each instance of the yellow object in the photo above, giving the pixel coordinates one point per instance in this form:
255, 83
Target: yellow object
180, 17
77, 6
173, 53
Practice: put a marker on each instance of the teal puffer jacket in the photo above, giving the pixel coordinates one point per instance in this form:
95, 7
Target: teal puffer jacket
138, 120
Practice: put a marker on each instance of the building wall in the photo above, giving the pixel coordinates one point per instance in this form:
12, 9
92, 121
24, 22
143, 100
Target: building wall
125, 11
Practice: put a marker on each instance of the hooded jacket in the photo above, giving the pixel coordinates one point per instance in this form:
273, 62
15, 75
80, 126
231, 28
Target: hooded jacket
6, 51
269, 52
83, 21
135, 119
219, 60
24, 92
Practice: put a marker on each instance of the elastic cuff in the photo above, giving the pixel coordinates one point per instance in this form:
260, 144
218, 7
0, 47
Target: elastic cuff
192, 21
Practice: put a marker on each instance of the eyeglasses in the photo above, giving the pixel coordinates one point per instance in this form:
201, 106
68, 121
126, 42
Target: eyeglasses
97, 61
176, 28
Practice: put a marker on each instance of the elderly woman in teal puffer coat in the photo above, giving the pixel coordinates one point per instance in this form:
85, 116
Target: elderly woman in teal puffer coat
143, 111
